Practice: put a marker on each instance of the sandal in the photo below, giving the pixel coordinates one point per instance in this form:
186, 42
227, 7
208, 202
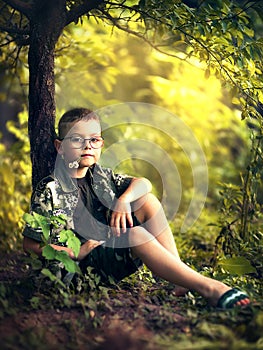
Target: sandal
230, 299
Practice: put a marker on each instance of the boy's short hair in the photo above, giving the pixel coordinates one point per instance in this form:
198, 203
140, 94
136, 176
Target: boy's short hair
73, 116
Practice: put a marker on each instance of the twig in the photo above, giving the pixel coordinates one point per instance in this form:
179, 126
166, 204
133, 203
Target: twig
14, 30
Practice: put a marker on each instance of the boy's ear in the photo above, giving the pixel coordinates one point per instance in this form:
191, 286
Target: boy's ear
58, 146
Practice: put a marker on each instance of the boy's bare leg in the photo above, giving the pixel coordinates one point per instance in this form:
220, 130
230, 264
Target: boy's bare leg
167, 266
150, 213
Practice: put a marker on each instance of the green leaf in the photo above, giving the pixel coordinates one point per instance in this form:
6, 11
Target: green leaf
48, 273
30, 220
74, 244
64, 235
61, 219
237, 265
68, 236
52, 254
44, 224
69, 264
52, 277
48, 252
224, 26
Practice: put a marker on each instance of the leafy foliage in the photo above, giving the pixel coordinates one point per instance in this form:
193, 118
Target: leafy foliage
105, 69
224, 39
241, 214
15, 185
161, 80
67, 237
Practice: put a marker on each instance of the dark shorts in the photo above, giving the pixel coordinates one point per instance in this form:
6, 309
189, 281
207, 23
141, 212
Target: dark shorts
116, 263
113, 259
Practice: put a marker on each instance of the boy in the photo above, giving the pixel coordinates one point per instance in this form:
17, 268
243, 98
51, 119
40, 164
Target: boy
119, 222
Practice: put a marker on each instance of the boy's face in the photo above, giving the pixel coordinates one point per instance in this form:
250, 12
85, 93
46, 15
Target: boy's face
88, 155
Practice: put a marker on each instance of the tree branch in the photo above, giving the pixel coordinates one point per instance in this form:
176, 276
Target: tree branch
7, 42
75, 12
14, 30
20, 6
116, 23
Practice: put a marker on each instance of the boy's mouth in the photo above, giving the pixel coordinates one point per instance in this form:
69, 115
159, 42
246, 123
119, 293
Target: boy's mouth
87, 155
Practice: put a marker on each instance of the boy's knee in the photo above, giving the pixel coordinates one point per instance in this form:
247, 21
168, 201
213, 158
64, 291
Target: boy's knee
146, 206
148, 199
152, 199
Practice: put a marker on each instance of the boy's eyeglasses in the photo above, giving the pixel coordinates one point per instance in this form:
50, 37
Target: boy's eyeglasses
79, 142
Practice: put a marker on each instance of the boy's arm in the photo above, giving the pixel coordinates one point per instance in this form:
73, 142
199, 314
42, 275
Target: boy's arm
137, 188
121, 214
30, 245
41, 203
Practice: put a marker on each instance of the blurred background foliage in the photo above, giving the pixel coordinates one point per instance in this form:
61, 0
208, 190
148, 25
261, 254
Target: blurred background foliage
199, 71
201, 64
102, 69
95, 68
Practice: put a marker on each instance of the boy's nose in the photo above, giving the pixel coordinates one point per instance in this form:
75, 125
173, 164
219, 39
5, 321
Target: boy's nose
87, 145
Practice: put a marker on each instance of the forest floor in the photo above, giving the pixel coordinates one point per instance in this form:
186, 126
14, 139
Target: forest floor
145, 314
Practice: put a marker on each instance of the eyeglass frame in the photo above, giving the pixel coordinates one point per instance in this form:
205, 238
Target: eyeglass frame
85, 140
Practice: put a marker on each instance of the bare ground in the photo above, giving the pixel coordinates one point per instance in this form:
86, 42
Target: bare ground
126, 320
131, 316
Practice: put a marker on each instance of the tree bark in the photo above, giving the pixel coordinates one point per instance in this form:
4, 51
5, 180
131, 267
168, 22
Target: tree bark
46, 24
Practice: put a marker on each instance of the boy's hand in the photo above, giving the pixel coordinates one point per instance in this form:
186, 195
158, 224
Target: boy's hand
87, 247
120, 216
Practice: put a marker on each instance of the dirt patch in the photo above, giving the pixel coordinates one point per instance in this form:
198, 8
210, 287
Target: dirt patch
13, 267
127, 320
139, 314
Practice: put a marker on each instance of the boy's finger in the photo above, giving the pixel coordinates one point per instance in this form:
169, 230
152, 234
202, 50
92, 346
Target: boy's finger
129, 219
116, 227
123, 223
112, 221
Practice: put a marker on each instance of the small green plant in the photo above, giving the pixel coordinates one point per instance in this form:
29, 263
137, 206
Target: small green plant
66, 237
86, 290
93, 296
241, 238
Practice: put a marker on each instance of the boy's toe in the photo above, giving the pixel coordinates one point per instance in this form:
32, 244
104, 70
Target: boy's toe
232, 298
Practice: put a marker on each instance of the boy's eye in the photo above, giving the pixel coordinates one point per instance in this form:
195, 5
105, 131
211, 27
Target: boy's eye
77, 139
94, 139
79, 142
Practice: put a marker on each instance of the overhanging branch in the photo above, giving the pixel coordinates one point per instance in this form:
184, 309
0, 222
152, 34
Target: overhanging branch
75, 12
116, 23
20, 6
14, 30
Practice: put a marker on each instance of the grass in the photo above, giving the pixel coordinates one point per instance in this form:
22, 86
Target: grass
141, 312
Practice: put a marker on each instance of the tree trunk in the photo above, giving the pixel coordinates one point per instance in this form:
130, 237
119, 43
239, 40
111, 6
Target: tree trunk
46, 24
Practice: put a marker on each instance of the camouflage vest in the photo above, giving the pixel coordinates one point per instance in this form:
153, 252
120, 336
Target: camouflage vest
58, 194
